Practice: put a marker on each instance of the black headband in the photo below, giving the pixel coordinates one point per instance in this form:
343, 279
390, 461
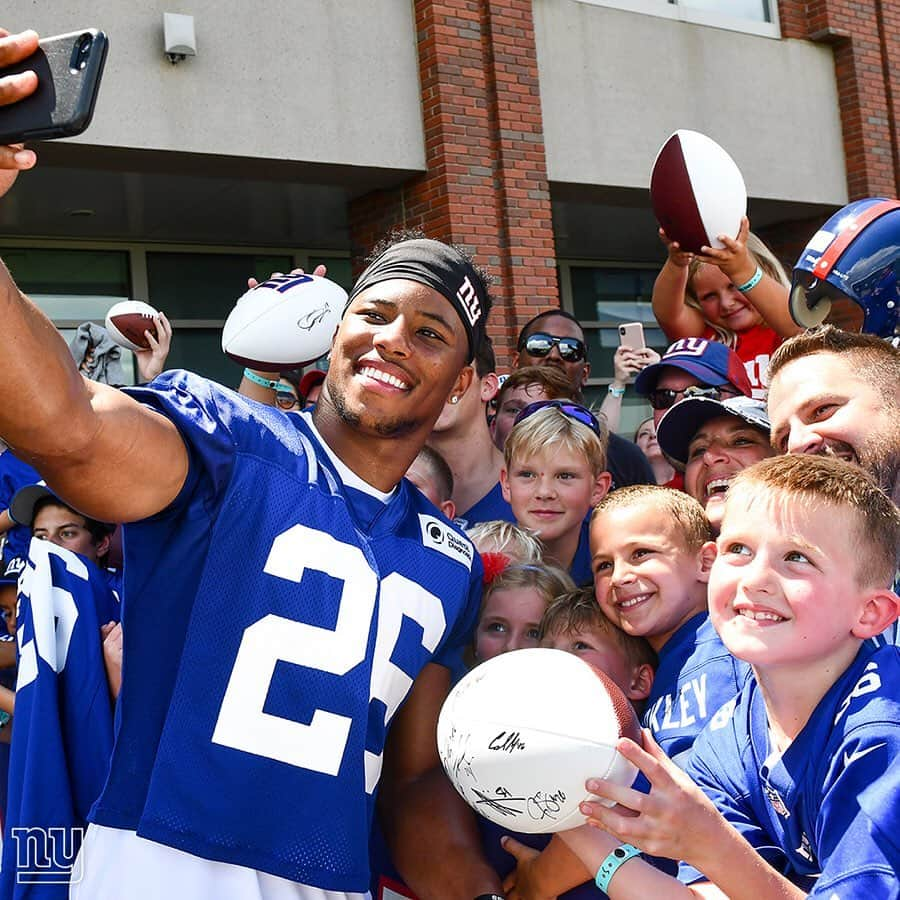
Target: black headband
437, 266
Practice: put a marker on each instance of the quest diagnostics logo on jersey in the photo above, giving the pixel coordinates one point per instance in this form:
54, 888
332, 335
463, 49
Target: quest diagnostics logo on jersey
440, 536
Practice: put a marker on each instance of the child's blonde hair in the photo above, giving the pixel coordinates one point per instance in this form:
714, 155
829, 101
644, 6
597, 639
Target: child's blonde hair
673, 506
875, 533
578, 611
551, 427
763, 257
517, 544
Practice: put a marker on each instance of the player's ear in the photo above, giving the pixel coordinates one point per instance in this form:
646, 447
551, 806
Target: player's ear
880, 609
602, 484
585, 374
463, 380
705, 558
641, 682
448, 508
504, 484
103, 545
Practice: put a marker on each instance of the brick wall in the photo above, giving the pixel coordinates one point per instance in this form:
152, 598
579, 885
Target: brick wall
485, 184
865, 36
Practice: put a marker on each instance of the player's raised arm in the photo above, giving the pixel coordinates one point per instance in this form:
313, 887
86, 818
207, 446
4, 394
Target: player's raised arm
107, 455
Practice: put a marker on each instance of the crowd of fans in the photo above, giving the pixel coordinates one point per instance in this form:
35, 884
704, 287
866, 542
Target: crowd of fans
732, 569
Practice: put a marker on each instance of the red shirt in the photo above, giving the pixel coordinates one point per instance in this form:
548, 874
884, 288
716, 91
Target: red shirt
755, 346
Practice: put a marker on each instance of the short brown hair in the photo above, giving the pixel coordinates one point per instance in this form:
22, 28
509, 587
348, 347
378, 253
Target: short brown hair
831, 481
555, 384
551, 427
682, 509
579, 611
872, 357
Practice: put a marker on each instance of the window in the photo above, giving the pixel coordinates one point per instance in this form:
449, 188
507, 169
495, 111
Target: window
196, 290
602, 296
753, 16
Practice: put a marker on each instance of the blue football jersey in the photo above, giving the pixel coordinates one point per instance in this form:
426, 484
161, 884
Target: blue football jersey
696, 676
275, 616
490, 508
803, 810
63, 732
15, 474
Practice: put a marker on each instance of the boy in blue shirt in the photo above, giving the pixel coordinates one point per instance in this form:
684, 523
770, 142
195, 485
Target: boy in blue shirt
795, 790
651, 558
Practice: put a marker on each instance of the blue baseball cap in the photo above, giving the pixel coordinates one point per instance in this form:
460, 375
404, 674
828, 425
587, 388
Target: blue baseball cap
678, 426
12, 569
710, 362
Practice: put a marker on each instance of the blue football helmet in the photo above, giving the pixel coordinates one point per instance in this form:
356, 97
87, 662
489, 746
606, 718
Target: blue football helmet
849, 271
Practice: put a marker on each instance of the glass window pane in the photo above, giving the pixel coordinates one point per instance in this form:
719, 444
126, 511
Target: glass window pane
757, 10
80, 272
205, 285
200, 350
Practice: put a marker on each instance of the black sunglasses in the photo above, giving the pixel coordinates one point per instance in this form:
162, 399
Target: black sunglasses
665, 398
573, 410
540, 344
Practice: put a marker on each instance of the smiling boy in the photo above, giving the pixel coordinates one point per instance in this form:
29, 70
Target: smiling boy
794, 785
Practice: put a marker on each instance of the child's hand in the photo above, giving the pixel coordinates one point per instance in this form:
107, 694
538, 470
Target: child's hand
111, 634
677, 256
675, 820
520, 883
319, 270
734, 259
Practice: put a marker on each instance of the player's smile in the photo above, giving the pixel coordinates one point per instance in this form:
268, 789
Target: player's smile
384, 375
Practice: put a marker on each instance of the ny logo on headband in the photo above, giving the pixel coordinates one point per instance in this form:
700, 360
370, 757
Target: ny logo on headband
468, 299
692, 346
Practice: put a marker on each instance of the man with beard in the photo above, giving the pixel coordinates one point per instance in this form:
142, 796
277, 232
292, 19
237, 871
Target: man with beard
837, 393
555, 338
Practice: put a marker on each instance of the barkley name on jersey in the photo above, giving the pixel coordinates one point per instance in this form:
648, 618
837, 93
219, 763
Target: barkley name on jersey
275, 617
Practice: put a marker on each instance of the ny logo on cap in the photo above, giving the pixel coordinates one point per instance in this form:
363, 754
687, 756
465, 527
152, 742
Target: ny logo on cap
692, 346
469, 301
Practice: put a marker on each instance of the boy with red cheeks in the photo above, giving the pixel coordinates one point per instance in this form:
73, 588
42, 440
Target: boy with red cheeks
777, 800
555, 473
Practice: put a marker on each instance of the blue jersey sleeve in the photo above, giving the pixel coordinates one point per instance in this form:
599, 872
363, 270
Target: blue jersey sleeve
856, 862
717, 766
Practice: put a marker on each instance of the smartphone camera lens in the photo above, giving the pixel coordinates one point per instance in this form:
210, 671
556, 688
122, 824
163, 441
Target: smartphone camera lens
81, 51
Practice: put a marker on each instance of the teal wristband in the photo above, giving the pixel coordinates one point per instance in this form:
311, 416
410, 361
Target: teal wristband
611, 864
752, 283
258, 379
616, 392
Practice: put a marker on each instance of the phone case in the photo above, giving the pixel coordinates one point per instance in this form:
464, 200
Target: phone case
68, 67
631, 335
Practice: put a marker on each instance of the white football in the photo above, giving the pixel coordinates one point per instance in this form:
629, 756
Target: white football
697, 191
522, 732
284, 323
127, 321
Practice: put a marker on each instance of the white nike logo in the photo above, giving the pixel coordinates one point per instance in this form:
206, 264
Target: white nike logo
859, 754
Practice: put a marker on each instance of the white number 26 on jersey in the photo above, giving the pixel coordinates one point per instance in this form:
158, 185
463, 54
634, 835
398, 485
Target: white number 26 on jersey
320, 745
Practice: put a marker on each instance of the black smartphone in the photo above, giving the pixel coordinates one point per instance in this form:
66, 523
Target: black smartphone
68, 68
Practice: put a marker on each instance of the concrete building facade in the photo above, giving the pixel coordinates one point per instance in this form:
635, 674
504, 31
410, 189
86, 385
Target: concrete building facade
526, 129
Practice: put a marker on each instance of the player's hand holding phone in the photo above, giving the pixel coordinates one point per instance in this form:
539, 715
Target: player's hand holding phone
14, 87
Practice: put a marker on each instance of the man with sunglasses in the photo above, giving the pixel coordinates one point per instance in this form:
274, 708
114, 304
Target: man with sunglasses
555, 338
692, 366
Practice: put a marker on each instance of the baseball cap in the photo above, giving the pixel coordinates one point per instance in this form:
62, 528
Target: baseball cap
21, 507
678, 426
309, 381
709, 361
12, 569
